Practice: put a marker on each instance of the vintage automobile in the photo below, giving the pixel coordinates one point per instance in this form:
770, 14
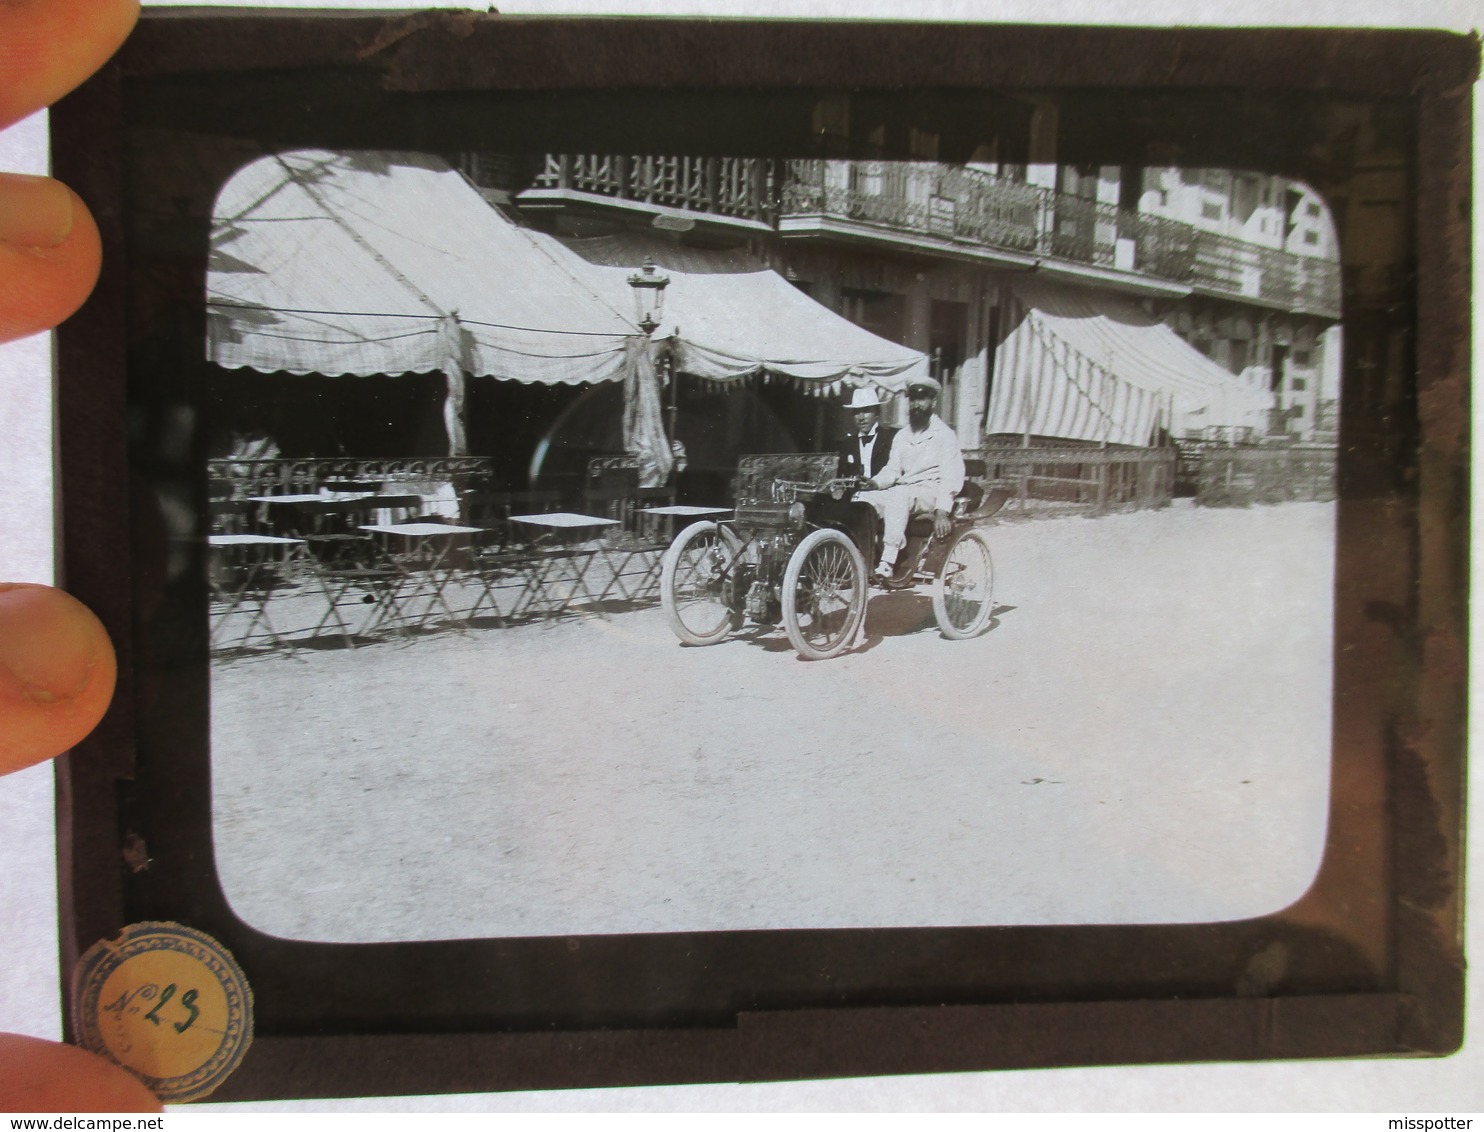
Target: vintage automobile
796, 550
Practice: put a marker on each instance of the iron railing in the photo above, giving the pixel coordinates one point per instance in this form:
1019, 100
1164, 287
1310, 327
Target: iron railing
739, 187
232, 478
953, 206
975, 208
1250, 271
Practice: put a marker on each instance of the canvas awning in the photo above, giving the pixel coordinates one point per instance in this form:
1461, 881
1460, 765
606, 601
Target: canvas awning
363, 263
1086, 365
385, 263
729, 318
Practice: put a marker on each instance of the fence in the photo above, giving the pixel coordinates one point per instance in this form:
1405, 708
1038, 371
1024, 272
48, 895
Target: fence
1080, 480
232, 478
1240, 477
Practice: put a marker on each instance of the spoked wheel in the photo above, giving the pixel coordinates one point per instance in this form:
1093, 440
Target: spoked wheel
693, 582
824, 594
963, 591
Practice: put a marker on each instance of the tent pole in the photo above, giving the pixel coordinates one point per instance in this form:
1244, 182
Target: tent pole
456, 366
672, 411
454, 410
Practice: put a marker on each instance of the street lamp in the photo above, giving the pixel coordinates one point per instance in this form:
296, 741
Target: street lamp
649, 303
649, 295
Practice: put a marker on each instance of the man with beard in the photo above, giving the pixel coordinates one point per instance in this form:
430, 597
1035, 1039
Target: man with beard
922, 475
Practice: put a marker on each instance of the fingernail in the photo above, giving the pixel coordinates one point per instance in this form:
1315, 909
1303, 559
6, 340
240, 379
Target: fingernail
48, 645
35, 212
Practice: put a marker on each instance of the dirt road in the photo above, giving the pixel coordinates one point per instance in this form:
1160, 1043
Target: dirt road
1142, 736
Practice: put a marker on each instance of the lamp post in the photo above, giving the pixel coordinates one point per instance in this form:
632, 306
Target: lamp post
649, 285
649, 295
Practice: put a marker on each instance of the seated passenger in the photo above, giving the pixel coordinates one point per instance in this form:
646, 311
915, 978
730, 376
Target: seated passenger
863, 452
922, 475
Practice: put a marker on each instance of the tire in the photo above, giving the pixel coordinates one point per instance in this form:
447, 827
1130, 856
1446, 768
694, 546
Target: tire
826, 568
963, 590
693, 576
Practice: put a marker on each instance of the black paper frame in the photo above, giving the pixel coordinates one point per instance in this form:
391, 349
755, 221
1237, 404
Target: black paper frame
1373, 952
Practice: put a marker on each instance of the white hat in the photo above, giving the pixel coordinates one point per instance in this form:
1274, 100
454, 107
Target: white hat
925, 383
864, 399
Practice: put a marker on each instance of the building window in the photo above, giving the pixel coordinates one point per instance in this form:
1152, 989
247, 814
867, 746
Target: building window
1302, 358
1297, 384
1312, 209
1238, 356
924, 145
1211, 210
1311, 237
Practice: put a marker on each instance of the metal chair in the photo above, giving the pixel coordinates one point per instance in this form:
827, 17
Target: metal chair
507, 557
351, 566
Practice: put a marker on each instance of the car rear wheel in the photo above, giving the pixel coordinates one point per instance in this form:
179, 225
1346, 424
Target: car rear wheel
963, 591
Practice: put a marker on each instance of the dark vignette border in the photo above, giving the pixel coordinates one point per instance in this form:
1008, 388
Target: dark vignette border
1372, 969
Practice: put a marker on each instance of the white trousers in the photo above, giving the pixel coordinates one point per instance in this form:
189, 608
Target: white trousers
896, 505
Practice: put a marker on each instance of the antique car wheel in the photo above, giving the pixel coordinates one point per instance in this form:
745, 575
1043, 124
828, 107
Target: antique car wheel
824, 594
693, 581
963, 590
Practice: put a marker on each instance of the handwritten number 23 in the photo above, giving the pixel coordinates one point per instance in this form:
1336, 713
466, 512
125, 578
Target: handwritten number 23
188, 1000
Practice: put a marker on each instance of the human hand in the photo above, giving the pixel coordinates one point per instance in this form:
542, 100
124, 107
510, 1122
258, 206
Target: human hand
56, 663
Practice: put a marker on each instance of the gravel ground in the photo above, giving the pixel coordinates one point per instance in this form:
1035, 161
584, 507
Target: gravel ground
1142, 736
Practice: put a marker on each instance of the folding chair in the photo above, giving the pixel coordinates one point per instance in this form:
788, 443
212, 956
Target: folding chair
351, 567
633, 552
504, 557
244, 572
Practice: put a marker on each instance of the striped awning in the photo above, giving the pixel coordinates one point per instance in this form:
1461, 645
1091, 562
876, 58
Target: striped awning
1079, 364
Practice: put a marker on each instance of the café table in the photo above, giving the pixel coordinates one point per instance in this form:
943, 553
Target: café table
424, 561
634, 562
672, 511
296, 512
244, 572
685, 510
294, 498
561, 562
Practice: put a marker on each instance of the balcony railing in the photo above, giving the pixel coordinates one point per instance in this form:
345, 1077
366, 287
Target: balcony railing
740, 187
974, 209
956, 208
1269, 275
920, 198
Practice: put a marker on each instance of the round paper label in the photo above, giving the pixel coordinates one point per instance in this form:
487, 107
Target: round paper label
167, 1003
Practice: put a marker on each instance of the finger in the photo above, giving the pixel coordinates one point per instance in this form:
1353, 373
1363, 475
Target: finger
57, 672
47, 47
49, 253
41, 1076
